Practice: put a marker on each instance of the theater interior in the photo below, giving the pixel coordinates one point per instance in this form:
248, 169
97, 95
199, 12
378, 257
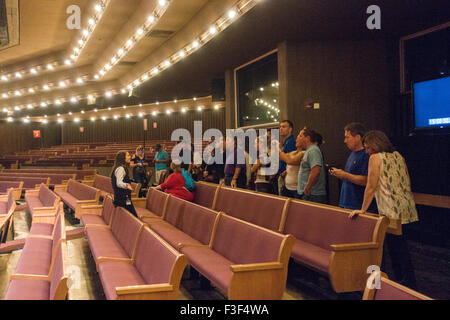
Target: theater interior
82, 79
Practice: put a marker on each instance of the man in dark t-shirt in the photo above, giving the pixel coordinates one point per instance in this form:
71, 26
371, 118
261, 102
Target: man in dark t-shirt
354, 175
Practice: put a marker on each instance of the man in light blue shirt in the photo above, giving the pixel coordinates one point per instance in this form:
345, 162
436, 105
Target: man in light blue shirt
161, 159
311, 176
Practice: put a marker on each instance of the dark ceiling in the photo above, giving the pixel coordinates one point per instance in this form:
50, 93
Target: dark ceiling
273, 21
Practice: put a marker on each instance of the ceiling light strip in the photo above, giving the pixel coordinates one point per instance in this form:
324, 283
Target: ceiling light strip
239, 9
86, 33
140, 33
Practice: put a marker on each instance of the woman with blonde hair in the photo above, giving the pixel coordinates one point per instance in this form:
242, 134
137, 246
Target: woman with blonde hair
388, 181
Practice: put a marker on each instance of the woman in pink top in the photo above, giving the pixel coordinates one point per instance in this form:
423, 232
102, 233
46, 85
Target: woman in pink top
175, 184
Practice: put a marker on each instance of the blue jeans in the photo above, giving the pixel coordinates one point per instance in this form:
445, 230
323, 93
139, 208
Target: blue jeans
312, 198
289, 193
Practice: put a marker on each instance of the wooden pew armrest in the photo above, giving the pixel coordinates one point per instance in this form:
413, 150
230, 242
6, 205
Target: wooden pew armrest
95, 209
355, 246
183, 245
87, 202
256, 266
32, 192
60, 187
18, 276
151, 288
112, 259
40, 236
45, 209
97, 226
139, 202
88, 182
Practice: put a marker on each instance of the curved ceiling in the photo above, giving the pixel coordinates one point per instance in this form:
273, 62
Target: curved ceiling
72, 50
147, 46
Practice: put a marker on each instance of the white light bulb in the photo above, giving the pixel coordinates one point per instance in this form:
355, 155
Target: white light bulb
33, 71
212, 30
79, 80
231, 13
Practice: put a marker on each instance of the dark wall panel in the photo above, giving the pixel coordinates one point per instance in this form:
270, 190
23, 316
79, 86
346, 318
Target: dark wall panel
16, 137
349, 79
123, 130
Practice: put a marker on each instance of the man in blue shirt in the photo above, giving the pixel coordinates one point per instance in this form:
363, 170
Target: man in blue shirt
286, 136
354, 176
161, 159
311, 175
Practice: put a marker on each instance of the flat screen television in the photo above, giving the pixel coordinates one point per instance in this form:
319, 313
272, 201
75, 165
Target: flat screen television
431, 100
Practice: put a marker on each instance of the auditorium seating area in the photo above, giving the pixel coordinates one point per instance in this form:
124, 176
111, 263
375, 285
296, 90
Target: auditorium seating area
81, 156
240, 241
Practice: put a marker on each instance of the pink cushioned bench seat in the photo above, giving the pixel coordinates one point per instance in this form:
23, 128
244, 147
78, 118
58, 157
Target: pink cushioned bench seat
260, 209
238, 245
118, 241
155, 272
329, 242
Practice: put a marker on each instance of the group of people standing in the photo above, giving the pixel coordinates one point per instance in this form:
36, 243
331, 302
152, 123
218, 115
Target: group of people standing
375, 178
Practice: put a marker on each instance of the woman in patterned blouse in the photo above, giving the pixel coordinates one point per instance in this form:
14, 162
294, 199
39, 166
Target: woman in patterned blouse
388, 181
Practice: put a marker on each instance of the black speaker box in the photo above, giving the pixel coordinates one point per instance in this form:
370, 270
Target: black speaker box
218, 89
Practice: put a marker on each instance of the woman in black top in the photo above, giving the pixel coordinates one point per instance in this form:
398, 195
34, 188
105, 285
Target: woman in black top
121, 182
138, 163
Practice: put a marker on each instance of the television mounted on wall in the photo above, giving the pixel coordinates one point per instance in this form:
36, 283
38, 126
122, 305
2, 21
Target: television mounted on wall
431, 104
